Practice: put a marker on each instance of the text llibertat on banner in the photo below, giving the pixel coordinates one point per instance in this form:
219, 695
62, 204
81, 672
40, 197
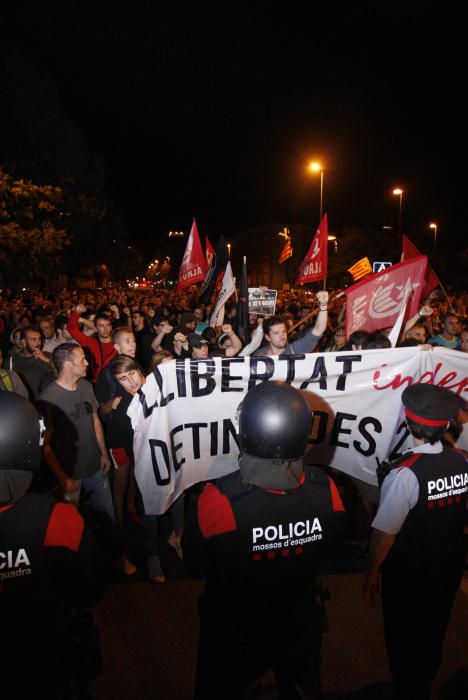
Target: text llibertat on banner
184, 417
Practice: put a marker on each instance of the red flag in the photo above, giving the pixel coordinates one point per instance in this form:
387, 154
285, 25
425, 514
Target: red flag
193, 267
286, 252
410, 251
314, 265
375, 302
209, 252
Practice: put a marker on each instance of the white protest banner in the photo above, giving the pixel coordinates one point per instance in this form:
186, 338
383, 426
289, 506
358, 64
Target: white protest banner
184, 416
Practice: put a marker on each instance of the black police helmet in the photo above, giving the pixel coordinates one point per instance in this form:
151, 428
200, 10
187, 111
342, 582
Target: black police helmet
274, 422
20, 433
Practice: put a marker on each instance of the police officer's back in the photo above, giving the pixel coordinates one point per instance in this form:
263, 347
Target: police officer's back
49, 566
258, 535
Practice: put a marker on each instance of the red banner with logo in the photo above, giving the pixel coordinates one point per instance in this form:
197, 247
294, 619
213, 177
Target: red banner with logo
193, 267
314, 265
374, 303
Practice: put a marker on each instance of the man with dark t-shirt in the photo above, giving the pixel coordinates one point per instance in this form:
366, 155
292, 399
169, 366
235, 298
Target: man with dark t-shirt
32, 365
74, 445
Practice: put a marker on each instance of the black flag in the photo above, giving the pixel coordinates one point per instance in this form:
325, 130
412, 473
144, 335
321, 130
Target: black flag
242, 313
217, 266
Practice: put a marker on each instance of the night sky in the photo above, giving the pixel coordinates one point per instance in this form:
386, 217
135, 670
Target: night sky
215, 115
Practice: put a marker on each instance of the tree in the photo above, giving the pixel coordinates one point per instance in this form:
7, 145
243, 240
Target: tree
32, 232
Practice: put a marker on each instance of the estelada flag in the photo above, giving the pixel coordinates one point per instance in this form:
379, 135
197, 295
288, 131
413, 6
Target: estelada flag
193, 267
375, 302
410, 251
286, 252
314, 265
209, 252
360, 269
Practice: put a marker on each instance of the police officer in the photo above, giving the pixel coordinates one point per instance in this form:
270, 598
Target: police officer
418, 541
258, 536
48, 566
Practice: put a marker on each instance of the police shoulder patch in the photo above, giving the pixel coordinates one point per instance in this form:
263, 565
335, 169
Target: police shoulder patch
215, 514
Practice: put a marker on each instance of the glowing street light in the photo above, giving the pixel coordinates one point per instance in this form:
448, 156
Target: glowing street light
229, 249
434, 226
317, 168
399, 193
332, 237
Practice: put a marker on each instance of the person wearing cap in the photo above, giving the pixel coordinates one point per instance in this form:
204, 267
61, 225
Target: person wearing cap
258, 536
418, 541
199, 346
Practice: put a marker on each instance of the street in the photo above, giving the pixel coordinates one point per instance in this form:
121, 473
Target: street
149, 638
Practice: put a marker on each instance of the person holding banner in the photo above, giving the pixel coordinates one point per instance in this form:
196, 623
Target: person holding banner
128, 375
418, 539
276, 333
258, 535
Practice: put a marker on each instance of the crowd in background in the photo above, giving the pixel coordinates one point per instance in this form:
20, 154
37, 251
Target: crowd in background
113, 337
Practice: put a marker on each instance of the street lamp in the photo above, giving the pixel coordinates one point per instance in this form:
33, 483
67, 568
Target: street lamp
332, 237
229, 249
434, 226
317, 168
399, 193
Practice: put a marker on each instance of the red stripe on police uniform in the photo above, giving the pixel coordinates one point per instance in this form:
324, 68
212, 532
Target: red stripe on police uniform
215, 514
65, 527
409, 461
337, 503
424, 421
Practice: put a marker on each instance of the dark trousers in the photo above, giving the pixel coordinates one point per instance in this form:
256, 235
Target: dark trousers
417, 601
235, 651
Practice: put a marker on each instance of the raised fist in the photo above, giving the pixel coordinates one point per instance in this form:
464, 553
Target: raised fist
322, 297
425, 311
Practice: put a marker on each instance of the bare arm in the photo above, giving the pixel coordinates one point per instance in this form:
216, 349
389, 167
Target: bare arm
322, 317
421, 317
380, 545
235, 340
67, 484
105, 459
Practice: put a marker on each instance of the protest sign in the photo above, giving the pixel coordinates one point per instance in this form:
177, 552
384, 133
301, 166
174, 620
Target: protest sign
184, 416
262, 301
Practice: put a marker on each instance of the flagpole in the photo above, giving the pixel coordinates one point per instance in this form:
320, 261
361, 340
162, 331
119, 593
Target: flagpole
446, 296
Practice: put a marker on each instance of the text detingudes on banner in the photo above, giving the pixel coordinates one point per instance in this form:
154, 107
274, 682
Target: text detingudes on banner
184, 416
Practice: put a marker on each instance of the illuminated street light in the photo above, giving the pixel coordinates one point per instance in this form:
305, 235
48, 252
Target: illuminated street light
175, 234
229, 249
317, 168
434, 226
332, 237
399, 193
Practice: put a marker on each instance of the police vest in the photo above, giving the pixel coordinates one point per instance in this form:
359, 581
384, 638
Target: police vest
259, 535
433, 529
23, 574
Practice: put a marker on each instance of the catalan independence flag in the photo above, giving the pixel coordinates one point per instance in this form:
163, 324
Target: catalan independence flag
286, 252
360, 269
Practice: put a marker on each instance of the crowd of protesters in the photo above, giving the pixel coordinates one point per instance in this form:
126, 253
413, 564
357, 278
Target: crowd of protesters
80, 357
